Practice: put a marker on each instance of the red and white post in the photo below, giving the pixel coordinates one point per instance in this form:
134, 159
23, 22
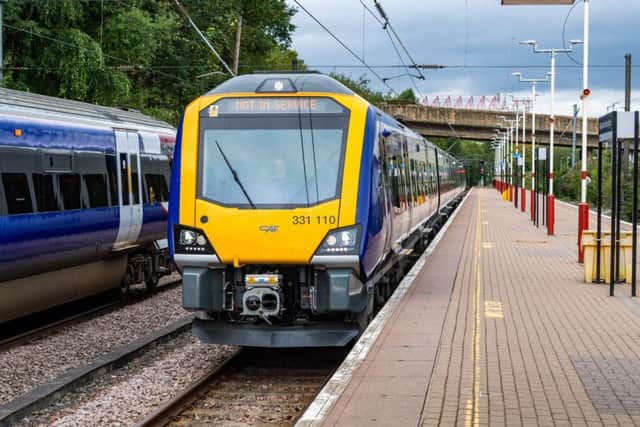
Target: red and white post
523, 189
583, 207
533, 152
551, 200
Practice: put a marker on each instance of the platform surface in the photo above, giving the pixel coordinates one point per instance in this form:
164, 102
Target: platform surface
499, 329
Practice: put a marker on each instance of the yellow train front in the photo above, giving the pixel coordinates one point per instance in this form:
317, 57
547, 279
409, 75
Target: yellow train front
291, 201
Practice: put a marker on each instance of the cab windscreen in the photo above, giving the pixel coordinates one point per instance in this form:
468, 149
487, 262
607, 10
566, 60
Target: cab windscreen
272, 152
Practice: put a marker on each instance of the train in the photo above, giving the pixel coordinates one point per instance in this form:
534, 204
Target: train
294, 207
84, 194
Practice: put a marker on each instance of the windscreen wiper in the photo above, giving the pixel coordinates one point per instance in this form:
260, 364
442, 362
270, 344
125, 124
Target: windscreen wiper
235, 176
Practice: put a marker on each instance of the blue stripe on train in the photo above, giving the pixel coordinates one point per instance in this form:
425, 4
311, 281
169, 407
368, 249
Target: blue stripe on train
367, 197
50, 135
174, 188
154, 224
54, 237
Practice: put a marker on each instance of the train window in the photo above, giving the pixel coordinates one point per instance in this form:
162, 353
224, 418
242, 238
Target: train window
96, 185
46, 198
57, 162
395, 170
124, 178
136, 190
112, 179
157, 189
16, 190
69, 185
406, 171
135, 185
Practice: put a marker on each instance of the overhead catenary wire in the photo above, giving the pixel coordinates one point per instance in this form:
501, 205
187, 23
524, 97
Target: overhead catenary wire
203, 37
462, 66
385, 28
347, 48
564, 36
406, 51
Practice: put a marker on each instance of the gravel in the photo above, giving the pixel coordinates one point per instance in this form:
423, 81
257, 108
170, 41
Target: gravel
27, 366
127, 395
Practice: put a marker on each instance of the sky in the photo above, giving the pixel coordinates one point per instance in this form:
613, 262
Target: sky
480, 38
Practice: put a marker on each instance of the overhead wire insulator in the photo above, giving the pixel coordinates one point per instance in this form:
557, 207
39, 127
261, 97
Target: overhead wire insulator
382, 14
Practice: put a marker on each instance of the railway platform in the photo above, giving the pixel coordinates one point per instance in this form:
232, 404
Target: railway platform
494, 326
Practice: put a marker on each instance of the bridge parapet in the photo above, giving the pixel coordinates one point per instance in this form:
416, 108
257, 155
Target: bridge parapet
480, 124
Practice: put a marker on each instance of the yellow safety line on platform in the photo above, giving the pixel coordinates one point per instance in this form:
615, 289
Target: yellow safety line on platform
472, 418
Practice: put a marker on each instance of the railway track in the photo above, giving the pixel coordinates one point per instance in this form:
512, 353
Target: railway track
20, 333
253, 387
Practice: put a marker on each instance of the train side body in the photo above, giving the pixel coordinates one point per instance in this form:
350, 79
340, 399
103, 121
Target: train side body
60, 207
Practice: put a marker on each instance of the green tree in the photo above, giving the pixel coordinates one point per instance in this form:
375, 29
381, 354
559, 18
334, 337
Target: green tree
361, 86
407, 96
140, 54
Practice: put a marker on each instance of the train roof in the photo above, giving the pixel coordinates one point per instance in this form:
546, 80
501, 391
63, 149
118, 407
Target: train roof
18, 101
288, 83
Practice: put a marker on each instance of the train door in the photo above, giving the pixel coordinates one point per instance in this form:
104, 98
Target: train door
438, 166
129, 195
385, 190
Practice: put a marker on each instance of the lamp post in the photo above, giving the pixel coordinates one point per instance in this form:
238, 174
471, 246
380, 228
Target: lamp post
499, 144
533, 82
495, 146
509, 138
552, 53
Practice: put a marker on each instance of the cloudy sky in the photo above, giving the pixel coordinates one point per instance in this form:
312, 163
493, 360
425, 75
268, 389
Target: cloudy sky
478, 39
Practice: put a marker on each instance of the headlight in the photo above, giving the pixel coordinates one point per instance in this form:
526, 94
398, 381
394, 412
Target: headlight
188, 237
348, 238
343, 241
191, 240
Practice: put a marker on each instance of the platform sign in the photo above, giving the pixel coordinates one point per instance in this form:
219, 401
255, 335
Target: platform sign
618, 123
605, 126
612, 129
542, 154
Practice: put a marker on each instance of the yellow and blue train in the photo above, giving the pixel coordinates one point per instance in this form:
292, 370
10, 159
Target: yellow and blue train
293, 204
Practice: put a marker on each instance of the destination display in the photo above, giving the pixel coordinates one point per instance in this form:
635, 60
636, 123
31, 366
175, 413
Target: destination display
271, 105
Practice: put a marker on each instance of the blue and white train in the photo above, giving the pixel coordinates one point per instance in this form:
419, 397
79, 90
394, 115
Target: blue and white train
83, 201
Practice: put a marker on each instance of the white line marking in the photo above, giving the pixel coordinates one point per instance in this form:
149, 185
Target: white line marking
333, 389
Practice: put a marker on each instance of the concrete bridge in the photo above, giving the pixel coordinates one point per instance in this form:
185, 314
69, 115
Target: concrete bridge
480, 124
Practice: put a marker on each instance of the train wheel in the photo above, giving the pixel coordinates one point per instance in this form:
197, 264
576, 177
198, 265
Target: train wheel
124, 287
125, 284
151, 281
